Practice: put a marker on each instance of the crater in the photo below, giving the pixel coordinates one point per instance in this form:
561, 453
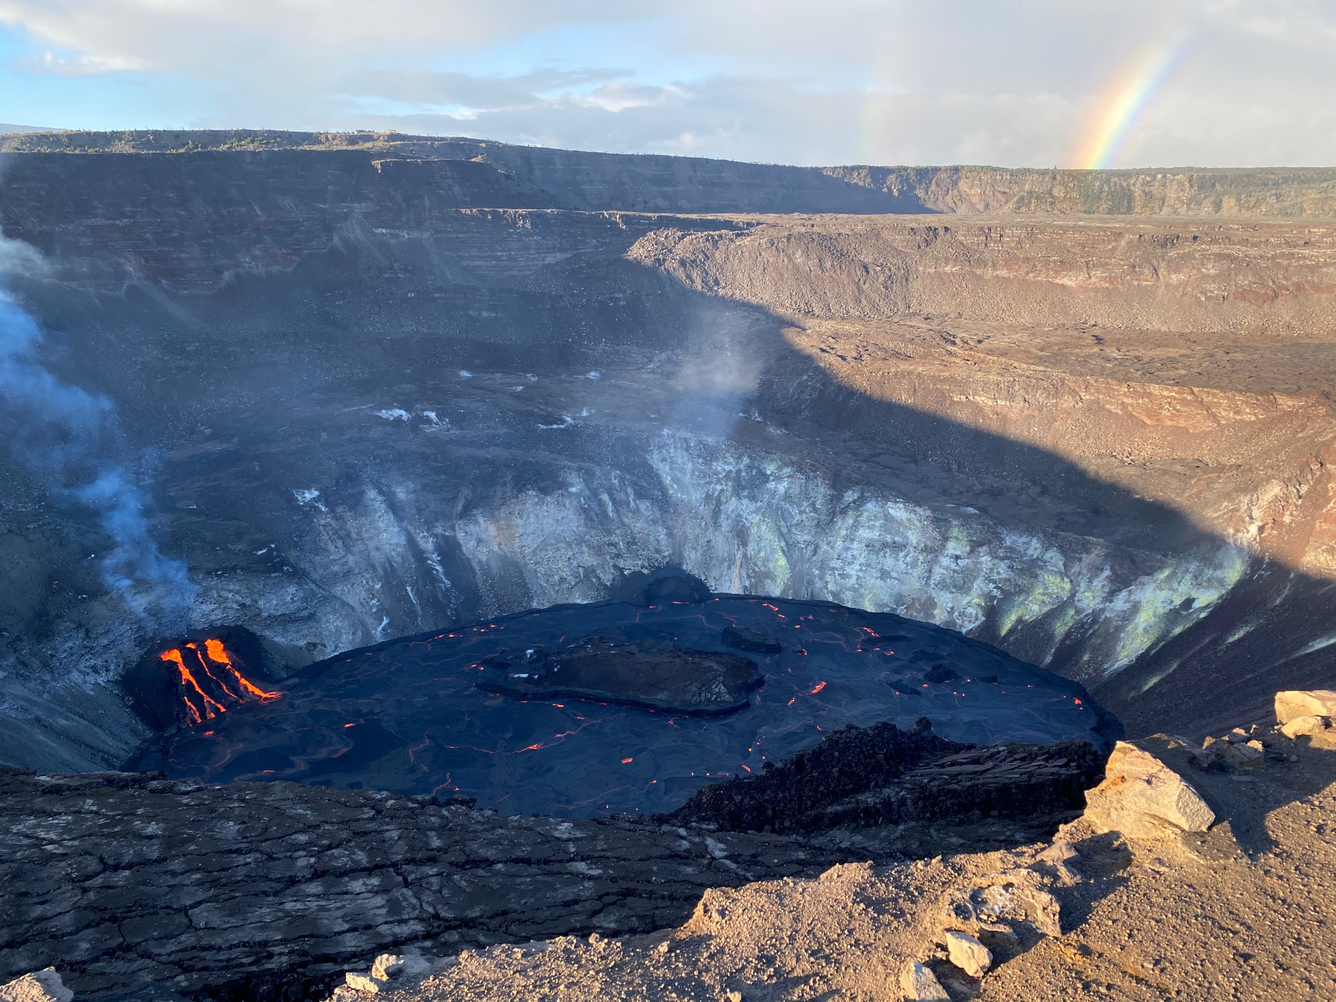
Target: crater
610, 707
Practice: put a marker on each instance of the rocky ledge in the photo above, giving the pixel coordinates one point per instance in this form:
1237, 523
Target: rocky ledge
225, 891
270, 890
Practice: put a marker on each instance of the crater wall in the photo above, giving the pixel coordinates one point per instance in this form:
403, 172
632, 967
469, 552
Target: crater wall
373, 404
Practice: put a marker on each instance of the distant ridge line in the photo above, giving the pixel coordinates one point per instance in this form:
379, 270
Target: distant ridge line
662, 182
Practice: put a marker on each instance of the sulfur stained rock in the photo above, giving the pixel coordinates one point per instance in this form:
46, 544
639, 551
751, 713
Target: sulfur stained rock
920, 985
1143, 798
39, 986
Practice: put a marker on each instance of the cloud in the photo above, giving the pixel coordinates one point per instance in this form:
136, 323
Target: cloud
882, 81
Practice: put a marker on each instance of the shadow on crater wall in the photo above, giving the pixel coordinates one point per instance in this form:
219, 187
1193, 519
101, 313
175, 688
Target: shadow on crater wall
446, 391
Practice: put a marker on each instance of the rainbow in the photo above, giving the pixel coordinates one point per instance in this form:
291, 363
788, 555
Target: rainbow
1123, 105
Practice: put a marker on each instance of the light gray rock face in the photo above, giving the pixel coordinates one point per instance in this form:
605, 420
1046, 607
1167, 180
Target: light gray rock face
1143, 798
120, 878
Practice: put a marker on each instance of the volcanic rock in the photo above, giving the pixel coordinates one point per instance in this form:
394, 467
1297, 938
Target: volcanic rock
359, 982
1235, 751
1055, 862
1143, 798
920, 984
1320, 730
239, 891
614, 669
39, 986
742, 639
1292, 704
664, 584
968, 953
884, 775
939, 673
994, 907
390, 965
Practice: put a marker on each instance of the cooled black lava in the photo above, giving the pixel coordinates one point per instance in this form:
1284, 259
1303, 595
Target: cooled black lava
425, 715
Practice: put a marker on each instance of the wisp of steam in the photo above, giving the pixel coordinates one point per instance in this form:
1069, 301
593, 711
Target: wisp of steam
73, 441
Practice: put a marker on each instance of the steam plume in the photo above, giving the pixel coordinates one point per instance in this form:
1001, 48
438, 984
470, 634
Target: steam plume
73, 440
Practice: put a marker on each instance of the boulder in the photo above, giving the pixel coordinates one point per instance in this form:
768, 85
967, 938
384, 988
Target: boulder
1234, 751
1320, 730
968, 953
39, 986
1295, 703
360, 982
1143, 798
920, 985
389, 966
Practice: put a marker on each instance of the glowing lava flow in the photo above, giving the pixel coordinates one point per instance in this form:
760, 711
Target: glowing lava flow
197, 703
218, 654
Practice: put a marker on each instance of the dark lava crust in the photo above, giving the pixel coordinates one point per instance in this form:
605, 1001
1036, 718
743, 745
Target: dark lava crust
881, 775
616, 669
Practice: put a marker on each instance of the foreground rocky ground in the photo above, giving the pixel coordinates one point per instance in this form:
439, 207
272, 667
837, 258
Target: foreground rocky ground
270, 890
1215, 883
1242, 911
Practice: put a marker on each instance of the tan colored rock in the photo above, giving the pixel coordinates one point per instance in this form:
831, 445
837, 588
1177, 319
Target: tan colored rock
1059, 852
364, 982
968, 953
1320, 731
1231, 753
920, 985
1294, 703
1143, 798
387, 966
1053, 862
39, 986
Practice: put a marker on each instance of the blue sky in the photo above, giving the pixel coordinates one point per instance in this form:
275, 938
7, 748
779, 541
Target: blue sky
836, 81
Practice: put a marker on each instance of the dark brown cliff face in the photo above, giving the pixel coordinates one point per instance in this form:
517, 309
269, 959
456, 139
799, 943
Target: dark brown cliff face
381, 394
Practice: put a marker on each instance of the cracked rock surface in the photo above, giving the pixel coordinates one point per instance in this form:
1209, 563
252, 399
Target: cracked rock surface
223, 892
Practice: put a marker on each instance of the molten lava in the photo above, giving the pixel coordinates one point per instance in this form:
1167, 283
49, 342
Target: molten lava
203, 681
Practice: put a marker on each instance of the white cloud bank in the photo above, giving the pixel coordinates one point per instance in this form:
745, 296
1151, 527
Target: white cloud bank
837, 81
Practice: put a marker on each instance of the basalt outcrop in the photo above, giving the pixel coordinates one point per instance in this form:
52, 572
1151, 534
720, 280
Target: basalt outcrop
881, 775
223, 892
